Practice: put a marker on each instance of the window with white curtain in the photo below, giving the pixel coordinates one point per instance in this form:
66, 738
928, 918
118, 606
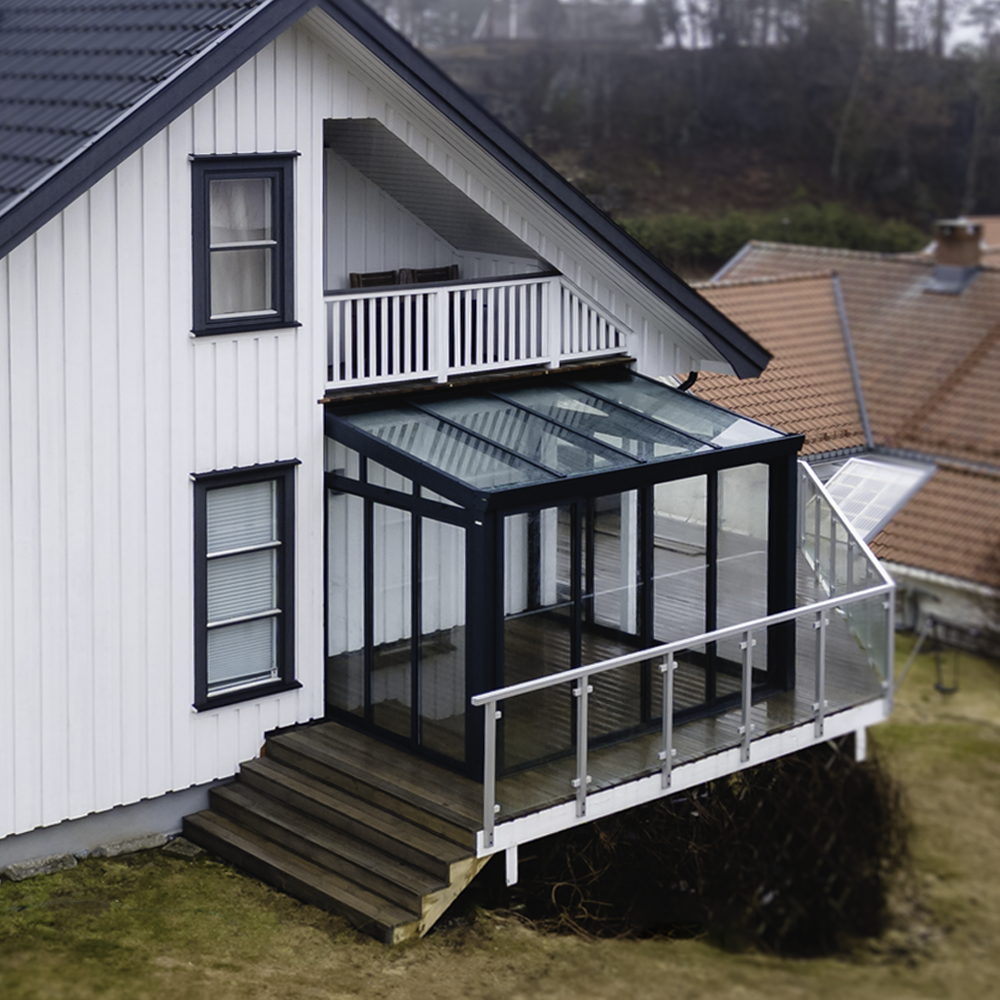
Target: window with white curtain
244, 536
243, 252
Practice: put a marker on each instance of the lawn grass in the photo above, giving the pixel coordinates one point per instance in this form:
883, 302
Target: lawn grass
152, 925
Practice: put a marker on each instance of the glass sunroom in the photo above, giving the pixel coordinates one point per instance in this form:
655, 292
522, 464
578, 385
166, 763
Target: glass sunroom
482, 536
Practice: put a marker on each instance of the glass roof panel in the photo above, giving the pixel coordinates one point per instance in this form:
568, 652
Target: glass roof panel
871, 493
426, 438
681, 411
529, 436
603, 422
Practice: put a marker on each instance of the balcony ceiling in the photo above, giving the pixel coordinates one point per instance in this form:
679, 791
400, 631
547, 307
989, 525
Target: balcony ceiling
405, 176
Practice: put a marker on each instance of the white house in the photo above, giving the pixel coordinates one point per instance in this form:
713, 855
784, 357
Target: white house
330, 416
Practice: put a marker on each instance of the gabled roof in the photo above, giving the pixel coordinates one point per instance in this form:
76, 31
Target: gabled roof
929, 363
808, 387
929, 366
165, 55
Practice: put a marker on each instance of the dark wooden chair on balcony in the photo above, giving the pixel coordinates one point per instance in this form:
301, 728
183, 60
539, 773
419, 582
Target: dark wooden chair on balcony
374, 279
426, 275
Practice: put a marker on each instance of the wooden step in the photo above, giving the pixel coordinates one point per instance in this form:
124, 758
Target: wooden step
338, 819
348, 856
325, 757
300, 877
342, 811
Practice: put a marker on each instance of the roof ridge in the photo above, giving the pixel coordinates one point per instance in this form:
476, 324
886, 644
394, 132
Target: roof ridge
896, 258
776, 279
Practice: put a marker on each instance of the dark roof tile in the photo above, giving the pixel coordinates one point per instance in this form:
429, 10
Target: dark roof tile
88, 60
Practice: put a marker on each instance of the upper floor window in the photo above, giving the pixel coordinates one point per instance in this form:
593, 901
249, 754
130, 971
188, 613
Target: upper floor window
243, 246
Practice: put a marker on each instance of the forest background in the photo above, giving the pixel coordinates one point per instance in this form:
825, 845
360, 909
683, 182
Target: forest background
699, 124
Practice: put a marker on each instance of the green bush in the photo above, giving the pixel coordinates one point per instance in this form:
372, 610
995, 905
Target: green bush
685, 241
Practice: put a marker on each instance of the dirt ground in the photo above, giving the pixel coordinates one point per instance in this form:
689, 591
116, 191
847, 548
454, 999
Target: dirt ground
151, 925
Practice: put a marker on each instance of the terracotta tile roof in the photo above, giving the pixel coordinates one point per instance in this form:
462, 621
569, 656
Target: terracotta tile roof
929, 364
930, 373
808, 387
952, 526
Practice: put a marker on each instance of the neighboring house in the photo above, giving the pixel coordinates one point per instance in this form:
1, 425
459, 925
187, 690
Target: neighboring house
328, 413
577, 22
897, 358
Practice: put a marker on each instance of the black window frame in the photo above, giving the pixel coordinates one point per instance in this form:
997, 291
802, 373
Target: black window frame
279, 169
283, 475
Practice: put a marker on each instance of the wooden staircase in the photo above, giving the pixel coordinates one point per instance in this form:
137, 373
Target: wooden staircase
342, 821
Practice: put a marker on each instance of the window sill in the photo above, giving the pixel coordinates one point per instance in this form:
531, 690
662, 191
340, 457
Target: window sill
245, 694
245, 327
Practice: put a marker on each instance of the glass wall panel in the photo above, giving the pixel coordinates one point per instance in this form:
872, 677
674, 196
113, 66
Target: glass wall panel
680, 558
345, 601
379, 475
742, 534
537, 631
680, 582
442, 638
392, 612
341, 459
611, 610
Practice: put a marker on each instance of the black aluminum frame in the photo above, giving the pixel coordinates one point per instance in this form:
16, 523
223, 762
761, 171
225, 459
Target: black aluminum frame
482, 514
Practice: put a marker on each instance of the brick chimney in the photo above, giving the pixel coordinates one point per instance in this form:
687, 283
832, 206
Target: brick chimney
957, 242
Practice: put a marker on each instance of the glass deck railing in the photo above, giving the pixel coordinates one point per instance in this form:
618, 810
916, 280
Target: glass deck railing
844, 641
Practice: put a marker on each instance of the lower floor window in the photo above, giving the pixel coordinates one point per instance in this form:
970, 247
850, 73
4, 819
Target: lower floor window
244, 560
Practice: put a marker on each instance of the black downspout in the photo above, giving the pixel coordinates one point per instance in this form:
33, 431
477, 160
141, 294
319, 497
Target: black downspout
689, 381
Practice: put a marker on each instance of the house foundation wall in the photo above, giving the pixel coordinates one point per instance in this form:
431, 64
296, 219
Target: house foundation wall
162, 815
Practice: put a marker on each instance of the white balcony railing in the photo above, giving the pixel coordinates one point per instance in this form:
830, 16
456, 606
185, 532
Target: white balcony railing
409, 332
844, 644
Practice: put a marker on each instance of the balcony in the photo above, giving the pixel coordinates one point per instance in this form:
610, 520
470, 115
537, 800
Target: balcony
436, 332
843, 622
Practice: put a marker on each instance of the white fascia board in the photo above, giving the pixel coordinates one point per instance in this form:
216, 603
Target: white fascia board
683, 776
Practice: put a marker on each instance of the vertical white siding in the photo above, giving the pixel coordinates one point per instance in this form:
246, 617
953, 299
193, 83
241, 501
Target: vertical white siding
108, 405
7, 571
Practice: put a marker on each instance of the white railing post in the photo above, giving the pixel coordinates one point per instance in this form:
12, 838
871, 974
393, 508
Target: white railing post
440, 332
490, 807
746, 730
582, 779
819, 706
667, 754
552, 294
